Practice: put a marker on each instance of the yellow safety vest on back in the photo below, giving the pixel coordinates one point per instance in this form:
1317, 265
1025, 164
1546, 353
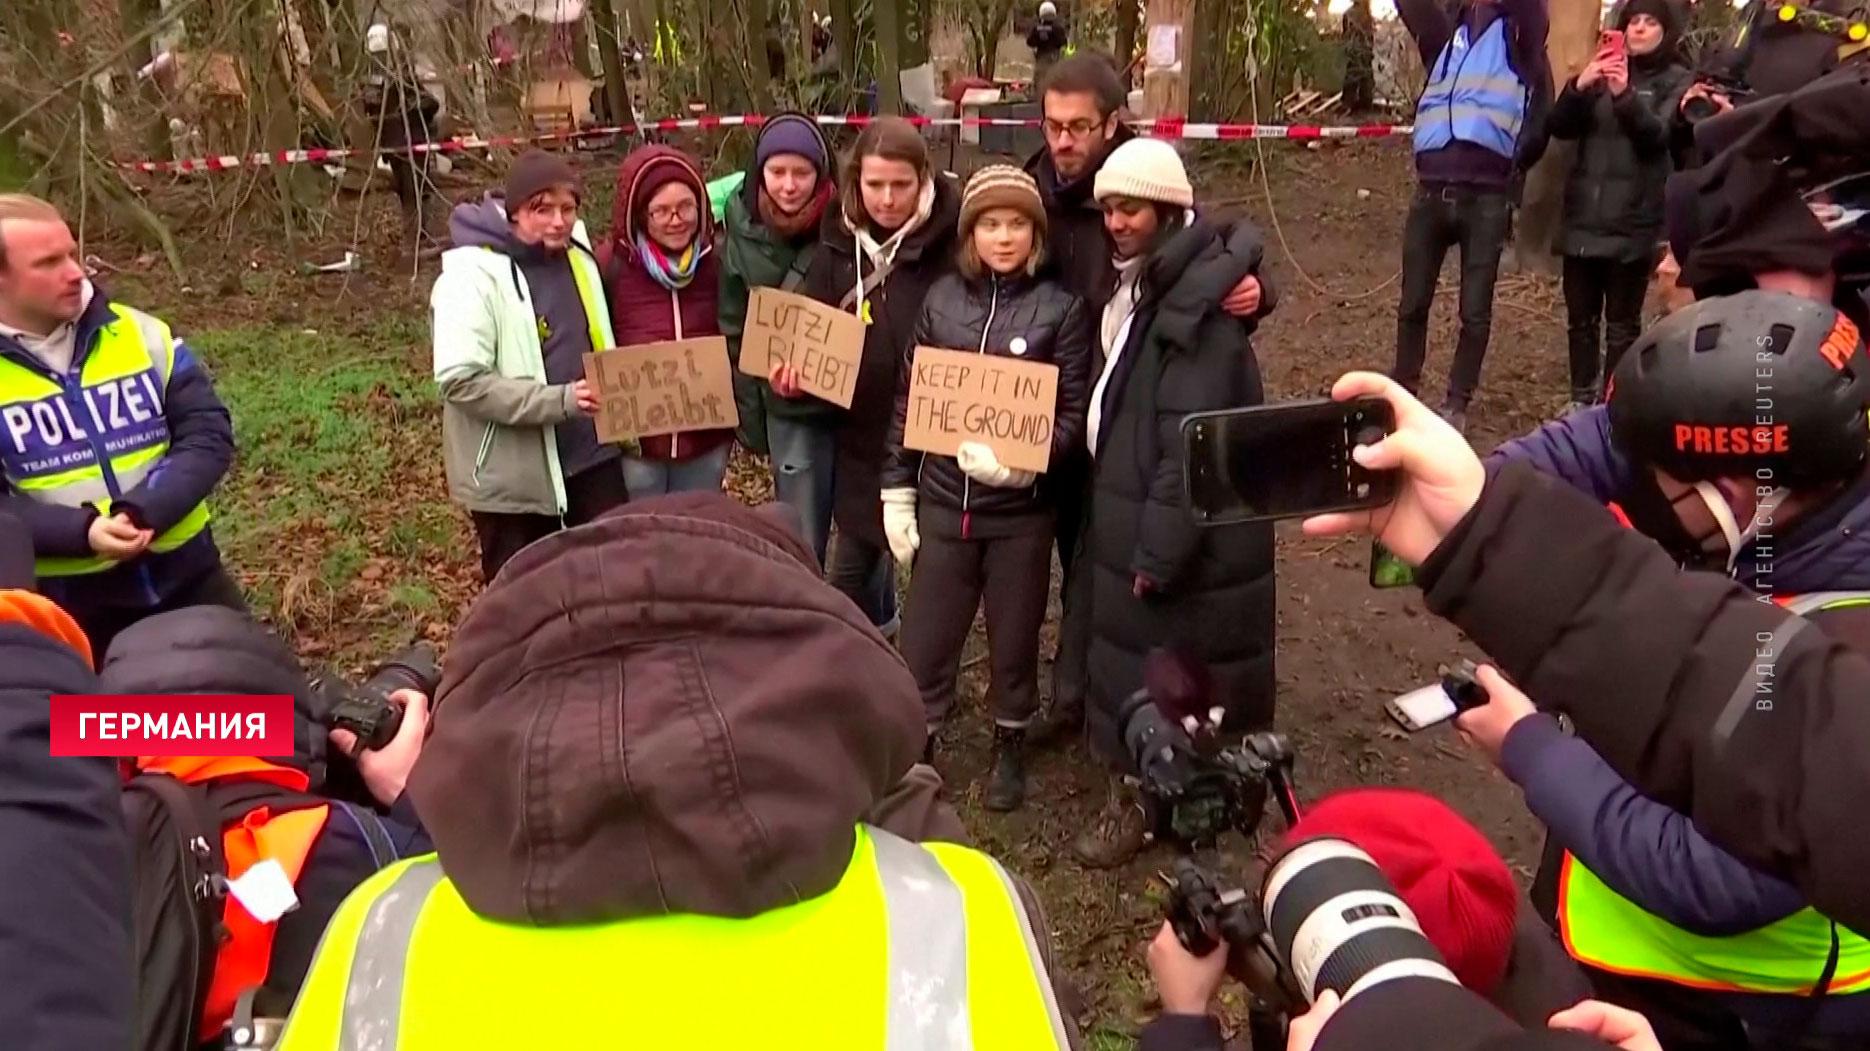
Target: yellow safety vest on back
918, 946
93, 439
1789, 956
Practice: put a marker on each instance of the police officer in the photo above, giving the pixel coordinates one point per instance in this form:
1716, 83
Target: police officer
112, 437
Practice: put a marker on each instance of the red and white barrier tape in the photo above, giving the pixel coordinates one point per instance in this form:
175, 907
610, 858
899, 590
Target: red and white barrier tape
1162, 129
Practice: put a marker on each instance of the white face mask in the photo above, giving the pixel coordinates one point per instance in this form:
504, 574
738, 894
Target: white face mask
1737, 537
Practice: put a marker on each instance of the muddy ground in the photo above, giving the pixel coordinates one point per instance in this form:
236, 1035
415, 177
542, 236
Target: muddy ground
1334, 227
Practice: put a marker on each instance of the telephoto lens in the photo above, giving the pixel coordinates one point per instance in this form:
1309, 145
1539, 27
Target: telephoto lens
1339, 925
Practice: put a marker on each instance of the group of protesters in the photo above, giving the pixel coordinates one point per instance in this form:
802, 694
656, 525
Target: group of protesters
683, 752
1093, 258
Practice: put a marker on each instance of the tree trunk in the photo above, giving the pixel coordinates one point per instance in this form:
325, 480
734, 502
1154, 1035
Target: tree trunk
759, 74
610, 54
888, 15
1203, 54
1572, 41
844, 36
1165, 87
1126, 36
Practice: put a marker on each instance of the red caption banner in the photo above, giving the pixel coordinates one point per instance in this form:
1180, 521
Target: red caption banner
162, 725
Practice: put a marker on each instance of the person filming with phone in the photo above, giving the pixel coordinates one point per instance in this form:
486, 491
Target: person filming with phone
1618, 110
1156, 578
1661, 672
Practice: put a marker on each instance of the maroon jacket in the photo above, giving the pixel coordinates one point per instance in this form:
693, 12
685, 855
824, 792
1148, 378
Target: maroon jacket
643, 311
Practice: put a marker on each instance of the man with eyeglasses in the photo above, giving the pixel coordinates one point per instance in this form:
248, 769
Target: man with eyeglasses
1081, 97
519, 303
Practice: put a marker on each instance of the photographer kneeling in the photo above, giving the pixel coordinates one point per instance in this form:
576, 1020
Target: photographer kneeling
1458, 891
280, 812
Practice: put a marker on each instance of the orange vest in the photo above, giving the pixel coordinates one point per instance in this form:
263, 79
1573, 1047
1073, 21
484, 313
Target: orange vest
286, 838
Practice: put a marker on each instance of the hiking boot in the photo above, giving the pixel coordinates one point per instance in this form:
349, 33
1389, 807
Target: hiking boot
1006, 788
1119, 834
1057, 725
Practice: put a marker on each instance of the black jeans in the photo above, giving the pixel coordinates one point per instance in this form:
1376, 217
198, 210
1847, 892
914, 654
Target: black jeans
102, 624
866, 574
951, 578
588, 494
1480, 221
1607, 292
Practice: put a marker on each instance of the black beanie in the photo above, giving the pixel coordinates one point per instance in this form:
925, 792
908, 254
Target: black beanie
1661, 10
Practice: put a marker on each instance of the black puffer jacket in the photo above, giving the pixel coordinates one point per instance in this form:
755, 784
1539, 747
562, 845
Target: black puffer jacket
1213, 586
1613, 196
926, 254
1033, 319
66, 889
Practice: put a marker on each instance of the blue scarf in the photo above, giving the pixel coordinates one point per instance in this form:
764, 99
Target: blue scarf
672, 274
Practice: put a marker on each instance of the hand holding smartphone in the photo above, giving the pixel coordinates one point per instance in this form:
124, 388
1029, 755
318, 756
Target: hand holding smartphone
1610, 42
1289, 460
1438, 702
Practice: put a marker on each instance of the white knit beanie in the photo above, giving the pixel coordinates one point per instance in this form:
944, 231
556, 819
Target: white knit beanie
1146, 169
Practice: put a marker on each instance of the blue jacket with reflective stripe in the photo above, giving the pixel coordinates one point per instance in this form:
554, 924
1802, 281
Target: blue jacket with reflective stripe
201, 448
1473, 95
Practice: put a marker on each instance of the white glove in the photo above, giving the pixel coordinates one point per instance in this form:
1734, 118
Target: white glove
899, 524
979, 463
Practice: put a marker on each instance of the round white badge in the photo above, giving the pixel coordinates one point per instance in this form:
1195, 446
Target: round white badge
1018, 346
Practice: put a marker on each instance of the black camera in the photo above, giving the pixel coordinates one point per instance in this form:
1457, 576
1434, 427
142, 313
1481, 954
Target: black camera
1325, 918
1194, 787
366, 708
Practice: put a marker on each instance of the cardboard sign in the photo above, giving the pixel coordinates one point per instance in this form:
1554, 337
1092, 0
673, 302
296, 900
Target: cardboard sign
662, 388
825, 344
1004, 403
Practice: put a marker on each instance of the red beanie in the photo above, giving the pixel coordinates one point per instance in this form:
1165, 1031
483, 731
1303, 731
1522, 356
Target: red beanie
1444, 869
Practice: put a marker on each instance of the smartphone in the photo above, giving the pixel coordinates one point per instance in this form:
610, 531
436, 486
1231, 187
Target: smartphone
1610, 40
1438, 702
1287, 460
1388, 571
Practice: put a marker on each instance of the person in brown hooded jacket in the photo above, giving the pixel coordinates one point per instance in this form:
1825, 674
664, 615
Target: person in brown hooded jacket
664, 737
660, 273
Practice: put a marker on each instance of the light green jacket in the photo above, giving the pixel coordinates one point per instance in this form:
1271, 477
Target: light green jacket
498, 412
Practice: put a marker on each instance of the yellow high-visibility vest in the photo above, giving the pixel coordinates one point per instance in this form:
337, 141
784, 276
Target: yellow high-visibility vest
95, 439
1608, 931
918, 946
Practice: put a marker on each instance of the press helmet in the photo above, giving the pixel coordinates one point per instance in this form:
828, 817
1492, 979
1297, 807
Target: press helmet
1766, 384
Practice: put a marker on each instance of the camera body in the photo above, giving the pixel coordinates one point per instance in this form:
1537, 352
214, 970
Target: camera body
1194, 788
366, 709
1325, 917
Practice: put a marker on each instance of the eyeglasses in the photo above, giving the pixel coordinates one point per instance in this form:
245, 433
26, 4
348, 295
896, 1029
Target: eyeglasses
681, 213
1077, 129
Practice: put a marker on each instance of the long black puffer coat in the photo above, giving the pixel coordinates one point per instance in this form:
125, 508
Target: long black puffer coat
1033, 319
1213, 587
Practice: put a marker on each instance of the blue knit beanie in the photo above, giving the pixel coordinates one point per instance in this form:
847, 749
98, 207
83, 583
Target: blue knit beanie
795, 134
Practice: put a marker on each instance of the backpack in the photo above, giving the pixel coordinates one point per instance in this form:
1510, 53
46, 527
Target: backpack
175, 830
